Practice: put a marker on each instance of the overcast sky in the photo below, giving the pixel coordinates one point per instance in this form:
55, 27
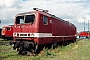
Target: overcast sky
75, 11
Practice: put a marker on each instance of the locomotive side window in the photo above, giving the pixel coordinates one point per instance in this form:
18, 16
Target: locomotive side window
29, 18
19, 19
45, 20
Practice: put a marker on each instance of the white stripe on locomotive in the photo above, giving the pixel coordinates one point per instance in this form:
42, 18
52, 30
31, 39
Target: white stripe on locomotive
38, 35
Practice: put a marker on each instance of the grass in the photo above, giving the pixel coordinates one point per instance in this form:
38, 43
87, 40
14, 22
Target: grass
74, 51
79, 50
4, 42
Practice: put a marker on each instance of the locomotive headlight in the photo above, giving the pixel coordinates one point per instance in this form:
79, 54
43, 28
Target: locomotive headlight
28, 34
17, 34
32, 35
14, 34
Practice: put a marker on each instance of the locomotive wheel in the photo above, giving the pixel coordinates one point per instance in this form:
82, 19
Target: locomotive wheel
54, 45
23, 52
65, 43
36, 49
28, 53
74, 40
20, 52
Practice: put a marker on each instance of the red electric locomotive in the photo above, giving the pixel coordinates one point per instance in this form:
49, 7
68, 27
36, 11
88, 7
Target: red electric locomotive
7, 32
84, 34
32, 30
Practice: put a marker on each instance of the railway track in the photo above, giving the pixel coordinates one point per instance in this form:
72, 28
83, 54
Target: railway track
6, 43
78, 39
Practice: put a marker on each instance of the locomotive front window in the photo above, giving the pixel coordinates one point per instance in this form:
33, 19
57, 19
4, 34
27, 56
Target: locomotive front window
45, 20
8, 29
19, 19
25, 19
3, 28
29, 18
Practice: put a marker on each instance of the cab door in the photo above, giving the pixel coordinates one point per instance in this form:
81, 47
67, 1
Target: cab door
19, 24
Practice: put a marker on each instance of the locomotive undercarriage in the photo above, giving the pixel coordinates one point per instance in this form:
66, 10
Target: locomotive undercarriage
26, 47
30, 47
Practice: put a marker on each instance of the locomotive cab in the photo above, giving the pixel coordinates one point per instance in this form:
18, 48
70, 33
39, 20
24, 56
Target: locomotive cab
29, 30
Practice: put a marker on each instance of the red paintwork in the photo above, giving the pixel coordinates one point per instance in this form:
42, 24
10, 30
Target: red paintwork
58, 27
7, 33
84, 34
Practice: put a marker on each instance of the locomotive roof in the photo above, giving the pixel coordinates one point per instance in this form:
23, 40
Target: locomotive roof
85, 31
47, 14
53, 16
